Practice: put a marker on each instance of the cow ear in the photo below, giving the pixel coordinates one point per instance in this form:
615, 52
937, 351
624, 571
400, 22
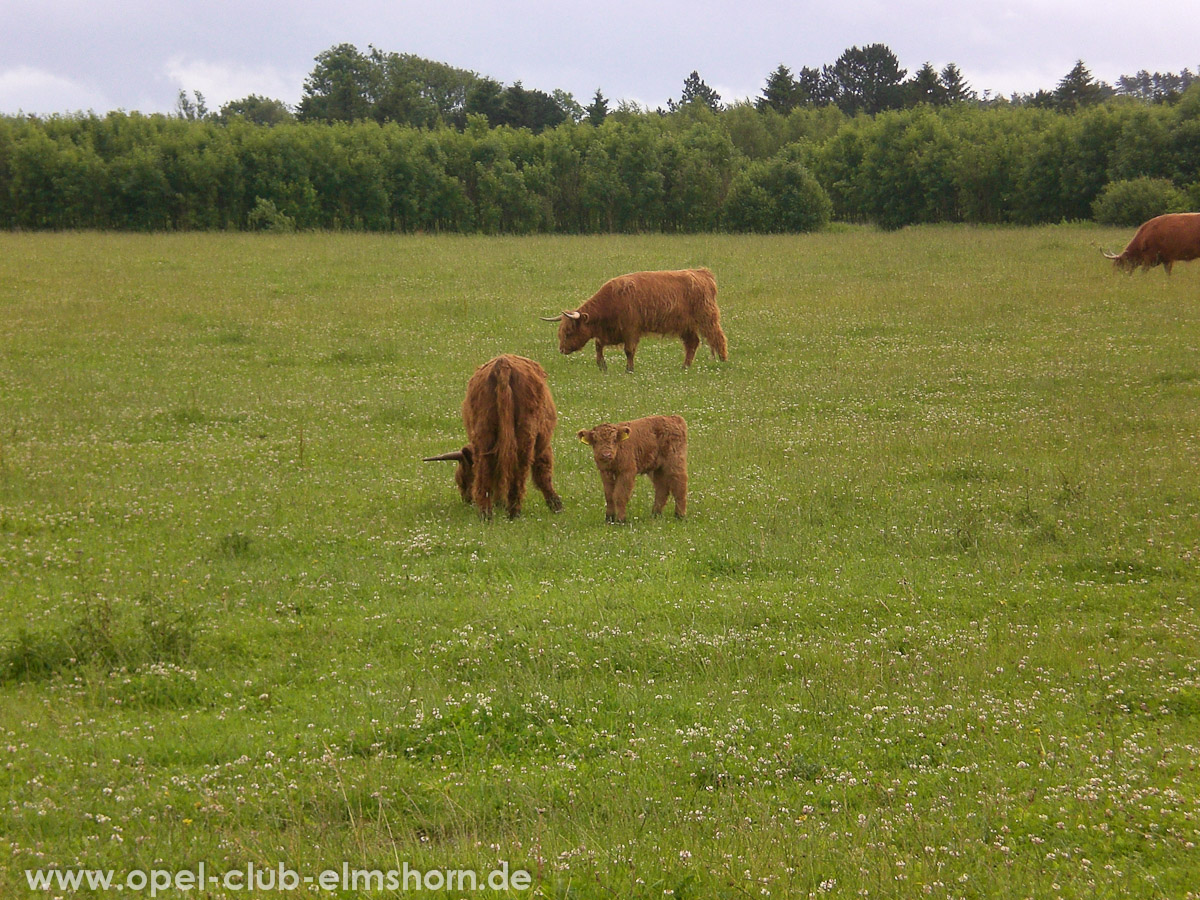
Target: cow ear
584, 436
624, 433
468, 455
583, 317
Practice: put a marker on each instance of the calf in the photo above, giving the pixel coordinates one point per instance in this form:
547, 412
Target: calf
654, 446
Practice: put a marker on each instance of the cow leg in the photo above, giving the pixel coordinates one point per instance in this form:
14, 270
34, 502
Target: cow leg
609, 481
630, 349
516, 490
1167, 266
482, 491
600, 357
622, 491
678, 482
543, 469
661, 489
715, 338
691, 341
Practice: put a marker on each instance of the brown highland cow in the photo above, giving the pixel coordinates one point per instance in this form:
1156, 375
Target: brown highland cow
510, 417
654, 446
1163, 240
682, 303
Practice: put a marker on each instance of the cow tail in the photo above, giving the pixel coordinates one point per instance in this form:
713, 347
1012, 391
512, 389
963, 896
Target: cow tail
506, 438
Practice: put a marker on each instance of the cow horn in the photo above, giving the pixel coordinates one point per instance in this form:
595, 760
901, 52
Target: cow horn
571, 315
551, 318
1108, 255
456, 456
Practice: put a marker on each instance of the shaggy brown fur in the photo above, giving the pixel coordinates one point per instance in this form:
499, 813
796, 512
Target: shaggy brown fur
681, 303
509, 415
1164, 239
654, 446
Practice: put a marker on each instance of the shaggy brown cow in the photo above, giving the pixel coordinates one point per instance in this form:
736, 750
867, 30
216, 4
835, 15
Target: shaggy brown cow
654, 446
510, 418
682, 303
1164, 239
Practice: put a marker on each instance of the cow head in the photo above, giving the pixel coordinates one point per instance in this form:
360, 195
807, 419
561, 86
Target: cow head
1120, 261
464, 472
574, 330
604, 440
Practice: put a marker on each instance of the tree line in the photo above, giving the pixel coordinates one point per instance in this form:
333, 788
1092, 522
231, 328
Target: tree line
348, 85
393, 142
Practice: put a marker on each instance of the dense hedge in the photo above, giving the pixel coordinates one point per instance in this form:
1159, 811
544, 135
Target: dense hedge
689, 171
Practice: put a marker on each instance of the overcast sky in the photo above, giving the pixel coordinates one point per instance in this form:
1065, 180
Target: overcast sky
59, 56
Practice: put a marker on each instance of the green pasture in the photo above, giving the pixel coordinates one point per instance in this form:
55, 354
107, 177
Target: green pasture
930, 628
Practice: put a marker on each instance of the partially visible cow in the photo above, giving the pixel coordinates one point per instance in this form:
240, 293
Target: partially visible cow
509, 415
654, 446
681, 303
1167, 239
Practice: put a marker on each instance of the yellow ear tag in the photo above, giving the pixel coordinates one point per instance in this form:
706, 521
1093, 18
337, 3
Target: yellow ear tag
624, 436
583, 440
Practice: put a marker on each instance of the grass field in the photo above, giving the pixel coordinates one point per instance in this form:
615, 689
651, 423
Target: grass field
929, 629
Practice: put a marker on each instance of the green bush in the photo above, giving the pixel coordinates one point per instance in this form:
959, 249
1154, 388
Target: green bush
779, 195
266, 216
1134, 201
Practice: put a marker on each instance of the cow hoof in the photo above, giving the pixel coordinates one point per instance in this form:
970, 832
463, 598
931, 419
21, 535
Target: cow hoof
514, 514
555, 504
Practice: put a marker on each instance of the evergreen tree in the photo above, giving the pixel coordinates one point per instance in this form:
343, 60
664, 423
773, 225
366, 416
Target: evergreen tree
1157, 88
782, 92
956, 88
486, 98
597, 111
867, 80
1078, 88
816, 88
532, 109
925, 87
696, 91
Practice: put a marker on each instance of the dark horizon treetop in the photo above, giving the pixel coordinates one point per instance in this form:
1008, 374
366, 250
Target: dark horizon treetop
696, 91
782, 93
925, 87
1078, 88
597, 110
347, 85
866, 80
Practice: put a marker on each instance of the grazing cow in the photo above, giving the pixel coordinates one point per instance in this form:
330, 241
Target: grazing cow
1164, 239
654, 446
510, 417
682, 303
